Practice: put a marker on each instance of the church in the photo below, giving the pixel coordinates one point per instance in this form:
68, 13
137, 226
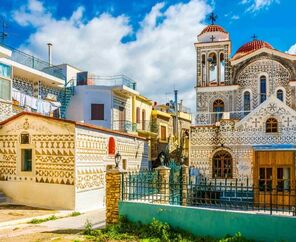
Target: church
246, 112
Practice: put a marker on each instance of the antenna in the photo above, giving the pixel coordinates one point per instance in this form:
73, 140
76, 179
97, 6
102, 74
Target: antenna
3, 33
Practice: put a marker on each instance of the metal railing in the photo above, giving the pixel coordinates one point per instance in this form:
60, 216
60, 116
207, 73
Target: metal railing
117, 80
226, 194
206, 118
34, 62
128, 126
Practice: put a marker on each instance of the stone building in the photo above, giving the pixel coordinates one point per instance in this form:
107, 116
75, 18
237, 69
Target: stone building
246, 118
61, 164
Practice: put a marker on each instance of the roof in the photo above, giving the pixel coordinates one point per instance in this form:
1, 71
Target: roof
212, 28
251, 47
95, 127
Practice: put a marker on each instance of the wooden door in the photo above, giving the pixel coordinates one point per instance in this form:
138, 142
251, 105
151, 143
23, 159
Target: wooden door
274, 179
122, 121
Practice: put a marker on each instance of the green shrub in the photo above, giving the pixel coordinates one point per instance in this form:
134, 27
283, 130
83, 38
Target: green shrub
42, 220
74, 214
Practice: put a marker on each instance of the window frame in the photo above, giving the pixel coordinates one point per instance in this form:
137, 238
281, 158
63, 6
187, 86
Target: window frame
219, 166
271, 125
23, 161
283, 95
97, 116
246, 112
218, 114
163, 138
263, 95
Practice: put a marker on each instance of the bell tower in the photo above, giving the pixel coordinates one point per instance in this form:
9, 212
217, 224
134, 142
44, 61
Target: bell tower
213, 49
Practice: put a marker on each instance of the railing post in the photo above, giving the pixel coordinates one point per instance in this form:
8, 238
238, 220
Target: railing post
185, 180
164, 182
113, 194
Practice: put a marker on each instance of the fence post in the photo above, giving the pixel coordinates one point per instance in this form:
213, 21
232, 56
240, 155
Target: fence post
164, 186
185, 179
113, 194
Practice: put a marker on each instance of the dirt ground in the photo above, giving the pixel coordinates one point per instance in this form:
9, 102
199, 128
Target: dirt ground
13, 212
56, 236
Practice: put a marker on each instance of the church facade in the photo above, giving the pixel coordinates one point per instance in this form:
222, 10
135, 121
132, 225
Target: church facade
246, 112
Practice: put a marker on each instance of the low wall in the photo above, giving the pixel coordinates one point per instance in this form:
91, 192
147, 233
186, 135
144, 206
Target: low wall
43, 195
215, 223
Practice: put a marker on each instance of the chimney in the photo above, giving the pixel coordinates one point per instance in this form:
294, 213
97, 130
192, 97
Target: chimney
49, 53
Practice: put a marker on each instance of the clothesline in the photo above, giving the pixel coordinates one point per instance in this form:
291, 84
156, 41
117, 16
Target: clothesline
40, 105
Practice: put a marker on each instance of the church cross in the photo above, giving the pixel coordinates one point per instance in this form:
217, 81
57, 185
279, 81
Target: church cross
212, 38
288, 120
254, 37
256, 122
213, 18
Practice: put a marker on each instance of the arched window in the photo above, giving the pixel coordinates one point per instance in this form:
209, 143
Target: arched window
280, 94
218, 109
138, 115
222, 165
203, 70
262, 89
213, 68
271, 125
222, 69
247, 102
111, 146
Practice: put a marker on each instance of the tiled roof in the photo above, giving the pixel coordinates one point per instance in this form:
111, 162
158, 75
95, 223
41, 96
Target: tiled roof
212, 28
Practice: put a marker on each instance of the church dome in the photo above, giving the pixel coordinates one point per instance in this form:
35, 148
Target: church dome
212, 28
251, 47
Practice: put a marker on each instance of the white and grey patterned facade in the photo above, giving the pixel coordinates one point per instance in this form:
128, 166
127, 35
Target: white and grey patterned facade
238, 126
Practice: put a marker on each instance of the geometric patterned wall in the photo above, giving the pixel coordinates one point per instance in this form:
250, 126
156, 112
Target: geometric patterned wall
239, 137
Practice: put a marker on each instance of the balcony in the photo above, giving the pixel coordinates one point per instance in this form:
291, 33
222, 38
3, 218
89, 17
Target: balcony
33, 62
117, 80
211, 118
128, 126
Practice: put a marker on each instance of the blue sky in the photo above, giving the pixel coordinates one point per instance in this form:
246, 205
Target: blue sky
151, 41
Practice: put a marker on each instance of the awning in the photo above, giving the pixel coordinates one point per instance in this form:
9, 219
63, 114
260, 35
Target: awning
274, 147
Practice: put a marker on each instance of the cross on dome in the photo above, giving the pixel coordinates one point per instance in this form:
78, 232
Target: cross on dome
254, 37
213, 18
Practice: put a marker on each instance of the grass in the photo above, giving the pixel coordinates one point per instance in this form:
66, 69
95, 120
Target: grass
74, 214
156, 231
42, 220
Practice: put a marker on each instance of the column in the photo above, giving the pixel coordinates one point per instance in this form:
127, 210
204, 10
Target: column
164, 184
185, 181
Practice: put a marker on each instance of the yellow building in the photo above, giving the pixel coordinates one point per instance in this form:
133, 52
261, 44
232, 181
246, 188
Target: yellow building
41, 156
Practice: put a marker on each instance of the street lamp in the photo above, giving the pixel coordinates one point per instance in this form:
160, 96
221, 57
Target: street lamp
117, 159
162, 158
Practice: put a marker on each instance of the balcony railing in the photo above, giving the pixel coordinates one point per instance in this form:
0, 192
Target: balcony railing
34, 62
128, 126
117, 80
207, 118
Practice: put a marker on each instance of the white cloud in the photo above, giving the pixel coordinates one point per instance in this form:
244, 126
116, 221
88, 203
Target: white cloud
292, 50
162, 56
256, 5
235, 17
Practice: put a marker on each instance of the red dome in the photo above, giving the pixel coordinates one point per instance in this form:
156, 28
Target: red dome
212, 28
251, 47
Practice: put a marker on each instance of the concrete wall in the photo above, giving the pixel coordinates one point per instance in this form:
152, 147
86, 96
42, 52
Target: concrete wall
214, 223
80, 106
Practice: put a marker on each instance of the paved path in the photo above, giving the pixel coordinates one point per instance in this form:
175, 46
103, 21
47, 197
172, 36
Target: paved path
96, 218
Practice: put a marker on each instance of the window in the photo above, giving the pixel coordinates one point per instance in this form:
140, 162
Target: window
5, 91
138, 115
222, 165
143, 119
213, 68
218, 109
283, 179
124, 164
5, 71
163, 133
262, 89
25, 139
203, 70
26, 156
271, 125
265, 179
247, 102
280, 94
222, 69
97, 112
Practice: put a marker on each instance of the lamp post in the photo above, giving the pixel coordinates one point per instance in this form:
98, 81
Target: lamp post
117, 159
162, 158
